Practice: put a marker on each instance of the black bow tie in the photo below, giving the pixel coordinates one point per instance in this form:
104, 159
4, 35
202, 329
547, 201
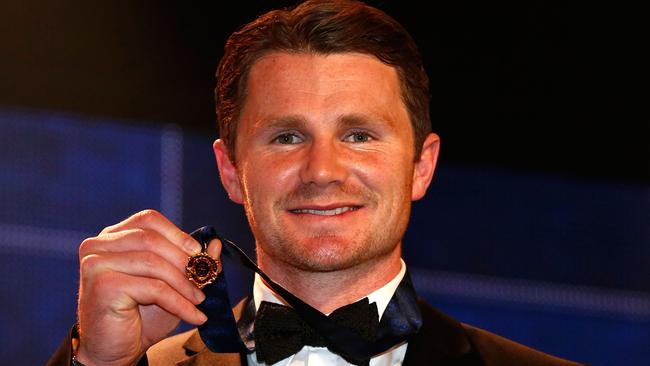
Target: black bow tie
280, 332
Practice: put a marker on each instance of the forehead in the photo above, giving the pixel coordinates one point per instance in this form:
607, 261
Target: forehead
336, 67
321, 88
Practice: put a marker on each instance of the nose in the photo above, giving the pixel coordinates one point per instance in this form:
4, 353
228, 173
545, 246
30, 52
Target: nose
324, 164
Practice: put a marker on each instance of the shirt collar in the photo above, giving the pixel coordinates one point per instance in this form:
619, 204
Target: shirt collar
381, 296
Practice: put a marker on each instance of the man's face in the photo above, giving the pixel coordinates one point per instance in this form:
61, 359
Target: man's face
325, 160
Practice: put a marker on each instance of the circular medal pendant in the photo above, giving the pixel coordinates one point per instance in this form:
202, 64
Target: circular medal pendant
202, 269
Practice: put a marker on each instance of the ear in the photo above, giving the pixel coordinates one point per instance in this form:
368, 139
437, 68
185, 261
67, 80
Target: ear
425, 166
227, 172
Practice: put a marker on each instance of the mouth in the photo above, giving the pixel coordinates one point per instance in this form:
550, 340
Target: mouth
325, 211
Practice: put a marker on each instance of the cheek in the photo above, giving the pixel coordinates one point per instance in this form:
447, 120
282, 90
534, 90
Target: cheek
383, 170
266, 176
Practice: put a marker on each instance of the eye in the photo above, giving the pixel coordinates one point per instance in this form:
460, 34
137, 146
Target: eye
287, 139
358, 136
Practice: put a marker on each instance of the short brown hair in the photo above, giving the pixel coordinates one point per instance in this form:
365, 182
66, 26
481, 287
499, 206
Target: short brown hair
321, 27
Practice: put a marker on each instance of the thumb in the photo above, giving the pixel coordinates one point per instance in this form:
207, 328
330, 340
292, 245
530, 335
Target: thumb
214, 248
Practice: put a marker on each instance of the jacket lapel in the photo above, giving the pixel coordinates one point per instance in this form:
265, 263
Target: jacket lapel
441, 341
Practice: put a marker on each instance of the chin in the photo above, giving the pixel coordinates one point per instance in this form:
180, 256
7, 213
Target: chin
325, 254
327, 262
329, 254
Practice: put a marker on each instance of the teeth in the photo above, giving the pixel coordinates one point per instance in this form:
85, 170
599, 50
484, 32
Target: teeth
336, 211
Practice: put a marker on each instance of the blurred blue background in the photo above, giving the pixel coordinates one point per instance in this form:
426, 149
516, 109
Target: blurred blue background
536, 225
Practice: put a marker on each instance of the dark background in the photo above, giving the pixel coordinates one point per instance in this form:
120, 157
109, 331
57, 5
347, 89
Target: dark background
540, 86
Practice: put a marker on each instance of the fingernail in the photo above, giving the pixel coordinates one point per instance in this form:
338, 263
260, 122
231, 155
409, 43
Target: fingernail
201, 317
199, 295
192, 247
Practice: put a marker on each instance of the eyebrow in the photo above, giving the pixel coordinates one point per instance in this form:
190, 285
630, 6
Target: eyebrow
282, 123
356, 119
344, 121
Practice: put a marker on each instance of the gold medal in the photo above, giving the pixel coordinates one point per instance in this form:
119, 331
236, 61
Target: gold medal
202, 269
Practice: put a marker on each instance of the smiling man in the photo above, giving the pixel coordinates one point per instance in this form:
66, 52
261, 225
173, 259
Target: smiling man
325, 140
325, 166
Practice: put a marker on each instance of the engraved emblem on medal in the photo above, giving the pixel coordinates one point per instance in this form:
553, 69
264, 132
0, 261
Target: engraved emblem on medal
202, 269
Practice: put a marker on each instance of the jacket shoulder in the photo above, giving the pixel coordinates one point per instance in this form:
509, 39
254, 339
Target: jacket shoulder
171, 350
496, 350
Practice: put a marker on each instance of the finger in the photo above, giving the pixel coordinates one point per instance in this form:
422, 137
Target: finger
154, 220
141, 264
149, 291
214, 248
135, 240
165, 297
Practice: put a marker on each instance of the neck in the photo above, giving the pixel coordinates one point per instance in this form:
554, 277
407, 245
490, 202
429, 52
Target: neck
327, 291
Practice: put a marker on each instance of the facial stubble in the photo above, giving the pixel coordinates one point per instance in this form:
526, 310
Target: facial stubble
324, 250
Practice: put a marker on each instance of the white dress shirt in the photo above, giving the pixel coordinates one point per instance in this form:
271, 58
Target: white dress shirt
321, 356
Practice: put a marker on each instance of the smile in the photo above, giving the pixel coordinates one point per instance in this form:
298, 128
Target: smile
332, 212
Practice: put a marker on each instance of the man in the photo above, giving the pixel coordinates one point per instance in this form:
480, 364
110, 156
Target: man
323, 115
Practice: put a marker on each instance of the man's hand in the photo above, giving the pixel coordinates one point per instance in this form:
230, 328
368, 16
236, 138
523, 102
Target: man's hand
133, 289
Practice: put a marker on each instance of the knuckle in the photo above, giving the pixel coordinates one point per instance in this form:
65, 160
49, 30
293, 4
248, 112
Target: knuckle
148, 215
97, 279
145, 237
189, 241
90, 265
149, 260
86, 246
107, 229
159, 286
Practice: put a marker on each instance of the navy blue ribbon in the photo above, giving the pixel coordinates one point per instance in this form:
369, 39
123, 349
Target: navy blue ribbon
401, 318
219, 332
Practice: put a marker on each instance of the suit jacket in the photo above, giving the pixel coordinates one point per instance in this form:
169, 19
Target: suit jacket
442, 341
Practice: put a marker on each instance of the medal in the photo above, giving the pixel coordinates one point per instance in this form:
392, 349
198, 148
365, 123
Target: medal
202, 269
